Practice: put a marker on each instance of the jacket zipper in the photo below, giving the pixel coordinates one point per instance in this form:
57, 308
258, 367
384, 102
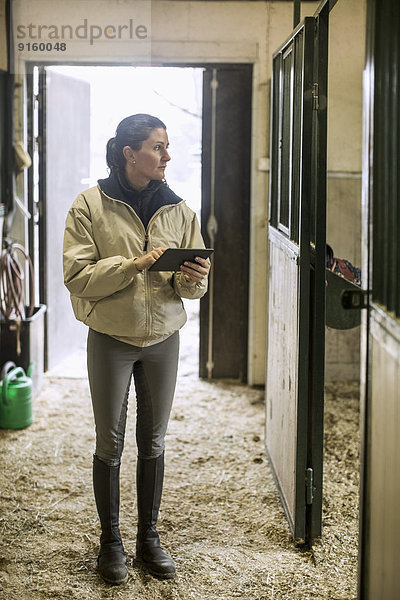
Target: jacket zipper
155, 215
147, 303
149, 320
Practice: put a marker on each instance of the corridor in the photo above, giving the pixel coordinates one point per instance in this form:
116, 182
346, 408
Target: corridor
221, 517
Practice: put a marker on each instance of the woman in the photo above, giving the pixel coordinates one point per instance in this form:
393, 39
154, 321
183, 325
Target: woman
114, 232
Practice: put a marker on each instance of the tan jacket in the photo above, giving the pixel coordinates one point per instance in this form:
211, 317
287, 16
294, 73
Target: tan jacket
102, 237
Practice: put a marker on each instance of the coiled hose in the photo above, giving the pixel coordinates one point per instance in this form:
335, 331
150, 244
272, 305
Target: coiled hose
12, 292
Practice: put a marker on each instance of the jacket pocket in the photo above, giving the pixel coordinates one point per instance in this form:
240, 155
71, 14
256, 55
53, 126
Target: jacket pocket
82, 308
168, 310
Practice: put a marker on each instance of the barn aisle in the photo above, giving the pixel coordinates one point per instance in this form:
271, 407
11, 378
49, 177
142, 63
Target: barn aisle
221, 517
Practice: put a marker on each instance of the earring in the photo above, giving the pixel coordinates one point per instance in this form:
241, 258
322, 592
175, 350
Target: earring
134, 162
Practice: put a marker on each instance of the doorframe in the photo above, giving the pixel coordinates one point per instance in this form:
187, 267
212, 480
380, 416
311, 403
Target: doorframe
36, 147
30, 65
229, 351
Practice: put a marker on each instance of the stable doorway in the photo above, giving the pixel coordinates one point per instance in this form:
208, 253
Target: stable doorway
74, 111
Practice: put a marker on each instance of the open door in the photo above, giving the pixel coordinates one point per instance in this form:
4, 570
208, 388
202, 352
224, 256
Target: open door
296, 312
61, 147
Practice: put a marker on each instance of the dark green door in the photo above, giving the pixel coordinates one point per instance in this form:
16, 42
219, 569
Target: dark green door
296, 310
225, 219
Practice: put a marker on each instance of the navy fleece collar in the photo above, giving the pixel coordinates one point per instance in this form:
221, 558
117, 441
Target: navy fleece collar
144, 202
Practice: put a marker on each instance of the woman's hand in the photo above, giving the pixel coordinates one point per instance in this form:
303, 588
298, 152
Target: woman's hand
196, 271
144, 262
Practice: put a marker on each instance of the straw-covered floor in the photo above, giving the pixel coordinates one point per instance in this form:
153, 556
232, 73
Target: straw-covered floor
221, 518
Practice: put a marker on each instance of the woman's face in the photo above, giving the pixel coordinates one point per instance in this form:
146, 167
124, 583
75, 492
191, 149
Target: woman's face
152, 158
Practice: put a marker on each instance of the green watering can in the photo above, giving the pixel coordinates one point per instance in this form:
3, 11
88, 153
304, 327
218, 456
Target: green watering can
15, 397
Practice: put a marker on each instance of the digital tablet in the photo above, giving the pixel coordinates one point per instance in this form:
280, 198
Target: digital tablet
173, 258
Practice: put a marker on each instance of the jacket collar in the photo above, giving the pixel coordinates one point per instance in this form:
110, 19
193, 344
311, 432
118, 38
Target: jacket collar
116, 186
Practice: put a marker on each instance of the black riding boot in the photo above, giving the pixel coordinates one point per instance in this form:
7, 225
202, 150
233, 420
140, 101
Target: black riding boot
149, 482
111, 560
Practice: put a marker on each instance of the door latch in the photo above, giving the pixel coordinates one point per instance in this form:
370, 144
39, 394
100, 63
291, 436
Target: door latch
315, 96
309, 485
355, 299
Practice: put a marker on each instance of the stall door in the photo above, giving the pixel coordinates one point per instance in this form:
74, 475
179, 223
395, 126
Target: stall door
225, 219
296, 313
64, 130
380, 414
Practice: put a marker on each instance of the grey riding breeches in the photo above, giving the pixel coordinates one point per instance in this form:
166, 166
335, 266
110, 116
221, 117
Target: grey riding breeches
111, 365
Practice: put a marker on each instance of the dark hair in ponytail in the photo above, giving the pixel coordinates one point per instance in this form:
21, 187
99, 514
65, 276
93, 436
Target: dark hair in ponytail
132, 131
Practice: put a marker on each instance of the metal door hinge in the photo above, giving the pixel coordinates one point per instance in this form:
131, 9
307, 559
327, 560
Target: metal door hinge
355, 299
309, 485
315, 96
